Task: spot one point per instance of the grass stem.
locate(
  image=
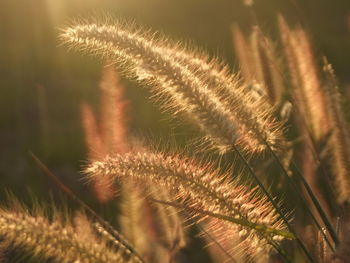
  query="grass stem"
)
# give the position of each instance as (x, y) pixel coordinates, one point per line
(273, 202)
(314, 199)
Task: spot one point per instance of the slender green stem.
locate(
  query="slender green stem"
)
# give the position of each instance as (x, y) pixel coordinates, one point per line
(242, 222)
(313, 198)
(176, 205)
(273, 202)
(285, 257)
(233, 220)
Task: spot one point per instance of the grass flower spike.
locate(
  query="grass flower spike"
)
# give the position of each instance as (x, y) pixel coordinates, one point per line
(339, 147)
(275, 127)
(202, 190)
(202, 89)
(54, 239)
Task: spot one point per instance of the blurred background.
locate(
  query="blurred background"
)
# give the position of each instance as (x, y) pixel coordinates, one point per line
(43, 83)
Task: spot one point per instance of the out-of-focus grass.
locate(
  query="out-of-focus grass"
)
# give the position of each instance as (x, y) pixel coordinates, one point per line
(42, 84)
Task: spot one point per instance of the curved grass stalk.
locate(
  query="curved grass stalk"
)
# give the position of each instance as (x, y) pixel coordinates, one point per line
(201, 188)
(217, 223)
(246, 223)
(226, 112)
(314, 199)
(120, 243)
(56, 240)
(274, 204)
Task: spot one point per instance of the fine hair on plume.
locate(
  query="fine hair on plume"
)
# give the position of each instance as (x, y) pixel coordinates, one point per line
(225, 110)
(203, 191)
(61, 237)
(270, 181)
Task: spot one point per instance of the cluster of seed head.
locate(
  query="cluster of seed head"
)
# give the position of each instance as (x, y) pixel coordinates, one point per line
(227, 112)
(52, 239)
(199, 187)
(340, 142)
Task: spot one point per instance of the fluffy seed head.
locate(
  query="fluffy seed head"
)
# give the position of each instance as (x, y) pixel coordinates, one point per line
(55, 240)
(202, 190)
(339, 142)
(227, 112)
